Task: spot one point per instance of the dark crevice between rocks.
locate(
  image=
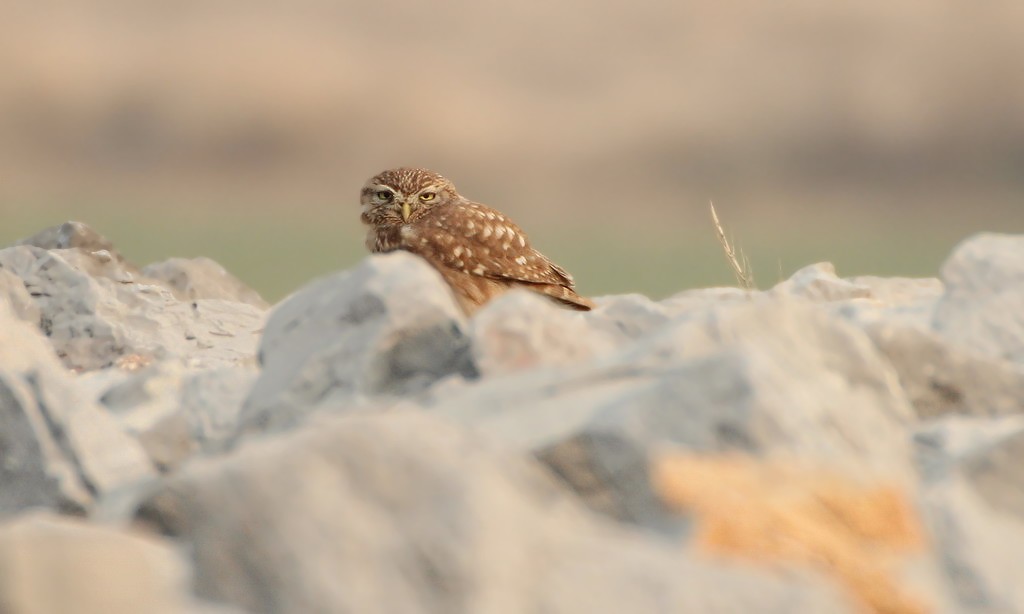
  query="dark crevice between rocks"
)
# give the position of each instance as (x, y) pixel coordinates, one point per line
(20, 452)
(418, 360)
(59, 434)
(610, 473)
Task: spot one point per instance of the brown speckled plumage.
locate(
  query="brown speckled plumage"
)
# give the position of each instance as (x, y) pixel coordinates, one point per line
(479, 252)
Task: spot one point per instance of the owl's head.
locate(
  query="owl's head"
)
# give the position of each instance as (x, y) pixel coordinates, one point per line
(403, 195)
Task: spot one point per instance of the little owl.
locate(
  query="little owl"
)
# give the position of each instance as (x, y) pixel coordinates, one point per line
(479, 252)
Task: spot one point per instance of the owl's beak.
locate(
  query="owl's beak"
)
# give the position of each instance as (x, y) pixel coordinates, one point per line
(406, 211)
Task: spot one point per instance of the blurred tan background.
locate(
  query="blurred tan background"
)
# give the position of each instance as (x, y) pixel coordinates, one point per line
(873, 133)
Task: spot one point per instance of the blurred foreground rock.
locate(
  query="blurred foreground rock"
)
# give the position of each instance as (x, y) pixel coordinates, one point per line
(828, 445)
(50, 564)
(403, 512)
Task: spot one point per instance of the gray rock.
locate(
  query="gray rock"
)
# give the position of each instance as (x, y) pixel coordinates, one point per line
(453, 480)
(941, 379)
(899, 301)
(175, 411)
(996, 472)
(942, 445)
(798, 381)
(581, 423)
(195, 278)
(404, 513)
(63, 294)
(901, 291)
(34, 472)
(95, 314)
(983, 307)
(60, 449)
(972, 504)
(522, 330)
(13, 292)
(389, 326)
(627, 316)
(818, 282)
(611, 473)
(100, 264)
(698, 303)
(50, 565)
(865, 299)
(775, 380)
(74, 235)
(212, 402)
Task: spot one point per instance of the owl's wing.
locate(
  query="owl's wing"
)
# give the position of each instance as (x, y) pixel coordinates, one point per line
(480, 241)
(567, 279)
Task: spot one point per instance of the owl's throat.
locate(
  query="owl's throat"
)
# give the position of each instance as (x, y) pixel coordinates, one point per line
(385, 238)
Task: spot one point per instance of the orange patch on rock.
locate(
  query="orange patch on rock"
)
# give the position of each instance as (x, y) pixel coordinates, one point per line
(784, 513)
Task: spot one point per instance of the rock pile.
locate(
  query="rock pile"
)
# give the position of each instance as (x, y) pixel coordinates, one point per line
(169, 443)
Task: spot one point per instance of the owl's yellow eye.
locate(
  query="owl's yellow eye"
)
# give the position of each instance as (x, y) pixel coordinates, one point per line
(385, 195)
(428, 196)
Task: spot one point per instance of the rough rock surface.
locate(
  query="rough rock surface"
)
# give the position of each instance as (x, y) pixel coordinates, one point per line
(522, 330)
(175, 411)
(58, 449)
(97, 311)
(831, 444)
(196, 278)
(72, 235)
(17, 298)
(728, 382)
(387, 327)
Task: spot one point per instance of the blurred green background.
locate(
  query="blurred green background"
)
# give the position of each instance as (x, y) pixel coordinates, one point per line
(872, 134)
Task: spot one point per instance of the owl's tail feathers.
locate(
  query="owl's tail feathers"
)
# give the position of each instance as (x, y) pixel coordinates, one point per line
(567, 297)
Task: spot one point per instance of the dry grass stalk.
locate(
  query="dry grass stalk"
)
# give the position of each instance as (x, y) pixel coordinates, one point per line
(740, 266)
